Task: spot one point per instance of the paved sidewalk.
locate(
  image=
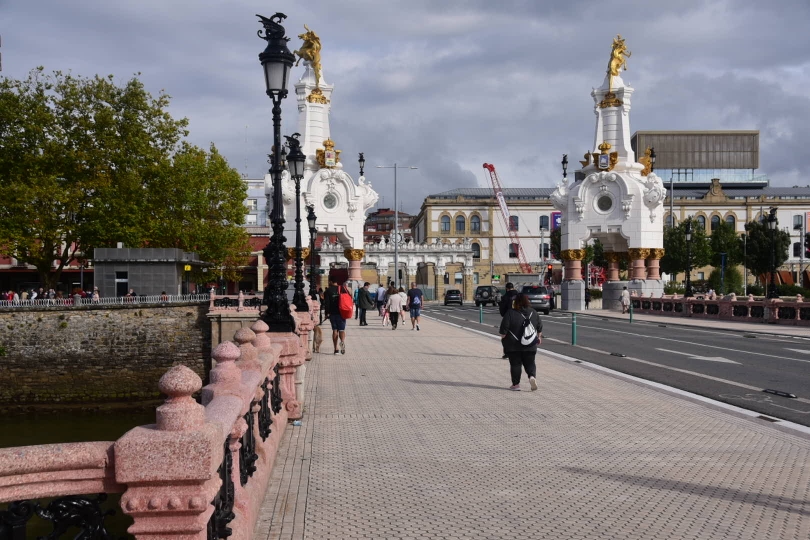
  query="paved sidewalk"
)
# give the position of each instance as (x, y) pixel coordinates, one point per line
(414, 435)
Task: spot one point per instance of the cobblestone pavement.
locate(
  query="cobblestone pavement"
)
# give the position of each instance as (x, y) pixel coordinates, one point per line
(415, 435)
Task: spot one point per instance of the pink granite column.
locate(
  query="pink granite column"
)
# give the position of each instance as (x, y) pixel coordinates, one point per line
(613, 266)
(573, 264)
(355, 257)
(170, 468)
(638, 257)
(653, 263)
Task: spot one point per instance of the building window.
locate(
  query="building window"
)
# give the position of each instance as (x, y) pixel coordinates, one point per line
(252, 205)
(461, 224)
(797, 249)
(797, 222)
(701, 275)
(476, 279)
(459, 278)
(476, 251)
(544, 222)
(250, 219)
(545, 252)
(445, 224)
(514, 223)
(732, 221)
(669, 221)
(513, 251)
(701, 221)
(715, 222)
(475, 224)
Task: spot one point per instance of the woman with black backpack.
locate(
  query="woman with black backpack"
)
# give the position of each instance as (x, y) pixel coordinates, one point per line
(520, 332)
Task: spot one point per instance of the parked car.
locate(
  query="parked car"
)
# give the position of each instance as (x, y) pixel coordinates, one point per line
(486, 294)
(453, 296)
(539, 296)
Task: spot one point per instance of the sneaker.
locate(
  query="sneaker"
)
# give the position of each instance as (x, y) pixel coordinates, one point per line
(342, 348)
(533, 382)
(336, 351)
(417, 327)
(515, 388)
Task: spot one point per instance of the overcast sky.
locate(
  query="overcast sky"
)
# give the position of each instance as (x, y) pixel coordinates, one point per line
(446, 85)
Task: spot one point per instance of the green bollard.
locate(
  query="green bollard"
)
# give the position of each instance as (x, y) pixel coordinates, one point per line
(573, 329)
(481, 313)
(631, 311)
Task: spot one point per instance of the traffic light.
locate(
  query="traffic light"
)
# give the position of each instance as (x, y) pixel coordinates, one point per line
(549, 268)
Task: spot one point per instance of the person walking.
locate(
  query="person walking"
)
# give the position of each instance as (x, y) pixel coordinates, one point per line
(401, 292)
(415, 302)
(356, 305)
(521, 323)
(364, 302)
(587, 297)
(331, 298)
(625, 299)
(505, 305)
(394, 305)
(381, 296)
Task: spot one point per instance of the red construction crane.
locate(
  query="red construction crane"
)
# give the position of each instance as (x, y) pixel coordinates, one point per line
(513, 235)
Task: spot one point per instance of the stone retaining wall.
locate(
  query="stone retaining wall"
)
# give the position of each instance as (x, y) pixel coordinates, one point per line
(97, 354)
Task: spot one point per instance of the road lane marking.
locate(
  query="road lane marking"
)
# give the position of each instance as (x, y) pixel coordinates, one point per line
(803, 351)
(697, 357)
(680, 341)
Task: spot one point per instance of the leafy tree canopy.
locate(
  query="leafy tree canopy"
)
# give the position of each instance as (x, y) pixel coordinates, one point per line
(758, 247)
(674, 260)
(86, 163)
(725, 240)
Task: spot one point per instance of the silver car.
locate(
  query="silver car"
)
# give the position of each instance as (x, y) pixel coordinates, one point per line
(539, 296)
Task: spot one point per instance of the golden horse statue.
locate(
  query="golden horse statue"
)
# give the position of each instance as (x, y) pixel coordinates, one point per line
(311, 52)
(618, 58)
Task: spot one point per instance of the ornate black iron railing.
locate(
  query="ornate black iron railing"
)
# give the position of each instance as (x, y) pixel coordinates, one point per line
(265, 416)
(224, 499)
(247, 453)
(71, 512)
(275, 398)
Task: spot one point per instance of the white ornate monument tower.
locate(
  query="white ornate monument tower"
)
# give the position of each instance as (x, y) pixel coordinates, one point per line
(340, 203)
(619, 201)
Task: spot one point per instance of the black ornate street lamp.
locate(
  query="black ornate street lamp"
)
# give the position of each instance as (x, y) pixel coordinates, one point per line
(276, 59)
(688, 292)
(565, 165)
(772, 223)
(296, 159)
(362, 161)
(311, 220)
(652, 159)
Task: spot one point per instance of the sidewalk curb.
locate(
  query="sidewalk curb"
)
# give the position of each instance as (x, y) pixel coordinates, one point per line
(784, 426)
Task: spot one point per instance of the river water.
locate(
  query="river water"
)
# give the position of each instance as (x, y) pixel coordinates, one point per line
(71, 426)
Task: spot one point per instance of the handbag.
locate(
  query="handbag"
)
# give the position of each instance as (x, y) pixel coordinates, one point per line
(345, 304)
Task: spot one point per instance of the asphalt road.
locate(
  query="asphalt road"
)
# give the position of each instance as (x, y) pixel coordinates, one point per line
(727, 366)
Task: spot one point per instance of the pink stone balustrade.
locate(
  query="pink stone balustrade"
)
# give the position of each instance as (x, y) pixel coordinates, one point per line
(746, 309)
(174, 474)
(232, 302)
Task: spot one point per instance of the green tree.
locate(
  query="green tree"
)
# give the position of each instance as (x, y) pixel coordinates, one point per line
(674, 260)
(197, 204)
(725, 240)
(85, 163)
(758, 249)
(732, 281)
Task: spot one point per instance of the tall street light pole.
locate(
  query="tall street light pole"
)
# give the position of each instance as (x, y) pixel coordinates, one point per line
(688, 292)
(296, 159)
(772, 222)
(396, 219)
(311, 221)
(276, 59)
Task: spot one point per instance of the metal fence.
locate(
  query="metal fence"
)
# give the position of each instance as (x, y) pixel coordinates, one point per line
(77, 301)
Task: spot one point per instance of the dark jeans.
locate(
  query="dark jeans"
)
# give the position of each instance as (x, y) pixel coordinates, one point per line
(363, 316)
(394, 316)
(522, 359)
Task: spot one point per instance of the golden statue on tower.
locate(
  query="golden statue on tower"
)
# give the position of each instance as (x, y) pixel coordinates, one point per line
(311, 52)
(618, 59)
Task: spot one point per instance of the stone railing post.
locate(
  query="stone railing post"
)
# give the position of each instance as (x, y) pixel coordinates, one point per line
(241, 301)
(291, 356)
(170, 469)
